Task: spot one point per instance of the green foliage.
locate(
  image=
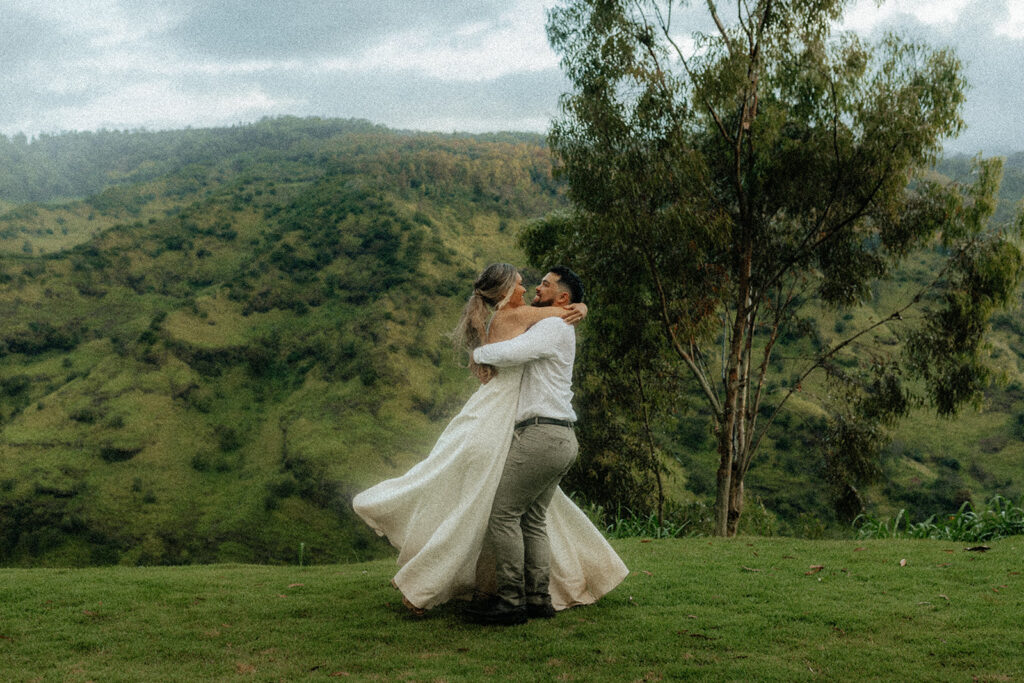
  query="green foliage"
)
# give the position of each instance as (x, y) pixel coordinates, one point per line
(691, 521)
(214, 379)
(88, 163)
(961, 169)
(999, 518)
(292, 299)
(40, 336)
(730, 197)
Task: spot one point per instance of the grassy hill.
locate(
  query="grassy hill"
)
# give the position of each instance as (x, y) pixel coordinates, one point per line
(205, 366)
(703, 609)
(211, 339)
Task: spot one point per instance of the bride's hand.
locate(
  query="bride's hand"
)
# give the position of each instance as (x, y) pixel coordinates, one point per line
(574, 313)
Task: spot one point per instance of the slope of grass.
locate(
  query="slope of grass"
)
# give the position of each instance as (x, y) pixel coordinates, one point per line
(740, 609)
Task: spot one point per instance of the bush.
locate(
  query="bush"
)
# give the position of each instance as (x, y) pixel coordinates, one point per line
(1018, 427)
(227, 438)
(85, 415)
(205, 461)
(694, 519)
(116, 454)
(999, 519)
(15, 386)
(40, 337)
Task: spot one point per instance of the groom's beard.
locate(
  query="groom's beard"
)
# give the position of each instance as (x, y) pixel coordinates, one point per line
(537, 303)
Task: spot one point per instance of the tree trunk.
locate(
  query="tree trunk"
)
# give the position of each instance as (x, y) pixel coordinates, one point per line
(735, 500)
(724, 479)
(728, 425)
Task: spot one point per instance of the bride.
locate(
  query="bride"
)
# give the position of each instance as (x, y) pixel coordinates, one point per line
(436, 513)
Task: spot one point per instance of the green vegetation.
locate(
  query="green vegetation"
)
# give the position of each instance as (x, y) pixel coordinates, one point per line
(208, 368)
(707, 609)
(1001, 518)
(782, 171)
(243, 343)
(102, 164)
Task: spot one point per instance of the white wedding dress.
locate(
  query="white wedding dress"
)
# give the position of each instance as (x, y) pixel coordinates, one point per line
(436, 513)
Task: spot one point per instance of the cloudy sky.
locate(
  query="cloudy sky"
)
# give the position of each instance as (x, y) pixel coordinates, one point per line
(467, 65)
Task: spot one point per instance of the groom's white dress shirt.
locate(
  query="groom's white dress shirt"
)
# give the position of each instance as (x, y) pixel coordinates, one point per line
(548, 349)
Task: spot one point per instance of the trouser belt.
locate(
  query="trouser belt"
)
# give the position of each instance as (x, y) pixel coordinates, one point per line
(543, 421)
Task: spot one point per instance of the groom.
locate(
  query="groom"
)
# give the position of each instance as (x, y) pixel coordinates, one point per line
(543, 448)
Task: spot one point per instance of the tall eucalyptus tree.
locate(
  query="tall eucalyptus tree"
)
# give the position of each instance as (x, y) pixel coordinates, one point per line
(725, 181)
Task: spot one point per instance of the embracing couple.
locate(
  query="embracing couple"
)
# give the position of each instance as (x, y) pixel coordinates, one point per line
(483, 515)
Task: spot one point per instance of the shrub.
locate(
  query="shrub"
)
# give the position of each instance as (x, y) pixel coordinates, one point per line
(40, 337)
(14, 386)
(999, 519)
(85, 415)
(117, 454)
(228, 438)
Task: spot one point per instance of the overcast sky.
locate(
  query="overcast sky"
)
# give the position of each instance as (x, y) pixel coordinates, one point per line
(444, 65)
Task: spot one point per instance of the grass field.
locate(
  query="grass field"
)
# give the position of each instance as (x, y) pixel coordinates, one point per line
(740, 609)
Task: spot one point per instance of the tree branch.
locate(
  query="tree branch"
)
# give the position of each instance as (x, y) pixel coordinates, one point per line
(819, 362)
(687, 357)
(655, 463)
(806, 246)
(689, 72)
(721, 27)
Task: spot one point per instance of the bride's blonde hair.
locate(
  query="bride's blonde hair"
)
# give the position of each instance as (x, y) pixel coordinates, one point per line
(490, 290)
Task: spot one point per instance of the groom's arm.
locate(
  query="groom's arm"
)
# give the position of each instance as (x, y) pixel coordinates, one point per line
(540, 341)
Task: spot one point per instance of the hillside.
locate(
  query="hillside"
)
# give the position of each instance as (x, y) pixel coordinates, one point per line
(210, 340)
(207, 365)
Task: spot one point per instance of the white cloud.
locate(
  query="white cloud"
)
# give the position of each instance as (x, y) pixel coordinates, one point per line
(866, 15)
(469, 123)
(103, 23)
(470, 65)
(514, 42)
(1014, 26)
(687, 45)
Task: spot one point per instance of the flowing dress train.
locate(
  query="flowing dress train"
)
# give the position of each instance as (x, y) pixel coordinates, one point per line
(436, 513)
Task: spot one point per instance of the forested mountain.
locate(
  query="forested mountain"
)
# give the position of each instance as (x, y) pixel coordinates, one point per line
(210, 339)
(79, 164)
(206, 364)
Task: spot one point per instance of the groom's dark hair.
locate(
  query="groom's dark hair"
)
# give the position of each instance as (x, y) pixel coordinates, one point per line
(569, 281)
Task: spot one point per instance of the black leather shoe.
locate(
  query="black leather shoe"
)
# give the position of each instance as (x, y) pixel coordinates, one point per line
(543, 610)
(495, 612)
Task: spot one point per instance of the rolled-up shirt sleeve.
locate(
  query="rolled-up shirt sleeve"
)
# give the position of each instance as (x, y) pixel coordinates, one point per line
(540, 341)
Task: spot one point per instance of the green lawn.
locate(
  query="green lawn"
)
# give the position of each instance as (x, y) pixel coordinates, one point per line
(742, 609)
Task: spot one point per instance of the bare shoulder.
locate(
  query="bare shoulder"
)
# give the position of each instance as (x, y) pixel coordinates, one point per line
(512, 323)
(505, 325)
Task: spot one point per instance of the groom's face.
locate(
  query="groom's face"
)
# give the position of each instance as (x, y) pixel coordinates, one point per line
(549, 293)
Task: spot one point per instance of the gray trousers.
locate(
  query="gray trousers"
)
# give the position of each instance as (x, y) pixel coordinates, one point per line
(517, 530)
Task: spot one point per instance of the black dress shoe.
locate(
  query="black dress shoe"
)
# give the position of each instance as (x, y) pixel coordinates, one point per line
(543, 610)
(495, 612)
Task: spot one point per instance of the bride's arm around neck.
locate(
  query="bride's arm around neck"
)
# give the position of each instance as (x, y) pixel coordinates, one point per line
(513, 321)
